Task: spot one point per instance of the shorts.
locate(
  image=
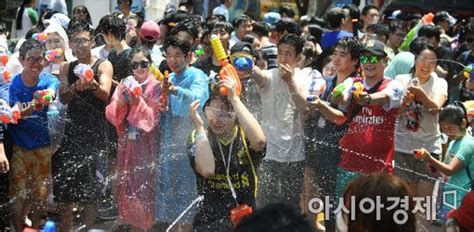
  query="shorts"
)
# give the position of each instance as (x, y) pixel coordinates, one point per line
(30, 173)
(410, 169)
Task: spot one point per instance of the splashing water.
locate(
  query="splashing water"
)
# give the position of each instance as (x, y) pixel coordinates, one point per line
(197, 200)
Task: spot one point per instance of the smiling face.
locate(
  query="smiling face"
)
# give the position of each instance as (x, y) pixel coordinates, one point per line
(221, 119)
(373, 68)
(425, 64)
(452, 130)
(140, 66)
(32, 62)
(176, 59)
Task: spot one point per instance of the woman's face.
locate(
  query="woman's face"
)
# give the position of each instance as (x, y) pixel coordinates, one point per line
(220, 119)
(329, 70)
(425, 64)
(452, 130)
(140, 66)
(54, 41)
(80, 14)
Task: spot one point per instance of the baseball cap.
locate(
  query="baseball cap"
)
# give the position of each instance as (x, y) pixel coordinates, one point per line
(271, 18)
(375, 47)
(242, 47)
(464, 215)
(149, 31)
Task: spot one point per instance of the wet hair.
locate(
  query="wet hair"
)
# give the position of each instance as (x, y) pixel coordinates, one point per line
(429, 31)
(261, 29)
(32, 31)
(28, 45)
(115, 26)
(381, 185)
(187, 25)
(19, 17)
(367, 8)
(83, 9)
(394, 26)
(79, 26)
(454, 113)
(335, 16)
(294, 40)
(276, 217)
(240, 20)
(140, 49)
(352, 45)
(286, 10)
(215, 95)
(380, 29)
(173, 41)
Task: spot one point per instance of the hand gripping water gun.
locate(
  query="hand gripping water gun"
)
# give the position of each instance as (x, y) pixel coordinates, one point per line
(357, 89)
(227, 70)
(9, 114)
(164, 92)
(43, 97)
(469, 72)
(132, 85)
(84, 72)
(156, 72)
(411, 96)
(238, 213)
(338, 90)
(52, 55)
(318, 86)
(412, 34)
(41, 37)
(419, 154)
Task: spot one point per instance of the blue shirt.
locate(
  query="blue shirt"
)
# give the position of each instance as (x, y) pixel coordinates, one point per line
(330, 39)
(31, 132)
(192, 85)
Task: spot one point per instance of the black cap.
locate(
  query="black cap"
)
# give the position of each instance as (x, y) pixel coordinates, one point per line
(375, 47)
(242, 47)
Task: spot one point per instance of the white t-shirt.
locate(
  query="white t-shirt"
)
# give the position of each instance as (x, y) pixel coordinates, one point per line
(418, 128)
(282, 123)
(233, 40)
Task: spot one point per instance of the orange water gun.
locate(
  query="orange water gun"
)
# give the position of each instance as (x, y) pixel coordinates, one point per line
(41, 37)
(84, 72)
(133, 86)
(227, 70)
(357, 89)
(43, 97)
(53, 55)
(6, 75)
(238, 213)
(9, 114)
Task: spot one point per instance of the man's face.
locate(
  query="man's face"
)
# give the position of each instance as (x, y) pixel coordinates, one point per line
(244, 29)
(287, 55)
(371, 17)
(396, 39)
(372, 65)
(176, 59)
(33, 62)
(343, 61)
(81, 44)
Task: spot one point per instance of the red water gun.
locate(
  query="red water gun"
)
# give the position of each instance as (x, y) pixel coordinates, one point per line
(227, 70)
(43, 97)
(9, 114)
(84, 72)
(6, 75)
(53, 55)
(133, 86)
(238, 213)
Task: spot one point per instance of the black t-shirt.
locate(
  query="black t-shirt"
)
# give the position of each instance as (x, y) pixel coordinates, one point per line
(218, 200)
(207, 66)
(120, 63)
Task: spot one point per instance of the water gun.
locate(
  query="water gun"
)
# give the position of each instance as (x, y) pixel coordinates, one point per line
(84, 72)
(338, 90)
(41, 37)
(227, 70)
(53, 55)
(318, 86)
(243, 63)
(200, 51)
(132, 85)
(6, 75)
(469, 72)
(411, 96)
(156, 72)
(9, 114)
(357, 89)
(412, 34)
(49, 226)
(43, 97)
(419, 154)
(238, 213)
(164, 92)
(4, 59)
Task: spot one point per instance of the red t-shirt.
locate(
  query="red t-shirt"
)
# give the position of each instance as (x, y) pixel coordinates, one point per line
(368, 145)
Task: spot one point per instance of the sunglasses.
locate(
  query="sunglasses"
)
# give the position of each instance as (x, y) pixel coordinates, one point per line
(141, 64)
(372, 59)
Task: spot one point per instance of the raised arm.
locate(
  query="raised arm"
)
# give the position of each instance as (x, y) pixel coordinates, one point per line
(204, 163)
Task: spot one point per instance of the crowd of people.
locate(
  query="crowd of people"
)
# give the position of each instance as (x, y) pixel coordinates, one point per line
(251, 118)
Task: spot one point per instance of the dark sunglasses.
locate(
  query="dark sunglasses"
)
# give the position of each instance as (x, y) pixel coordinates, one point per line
(141, 64)
(372, 59)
